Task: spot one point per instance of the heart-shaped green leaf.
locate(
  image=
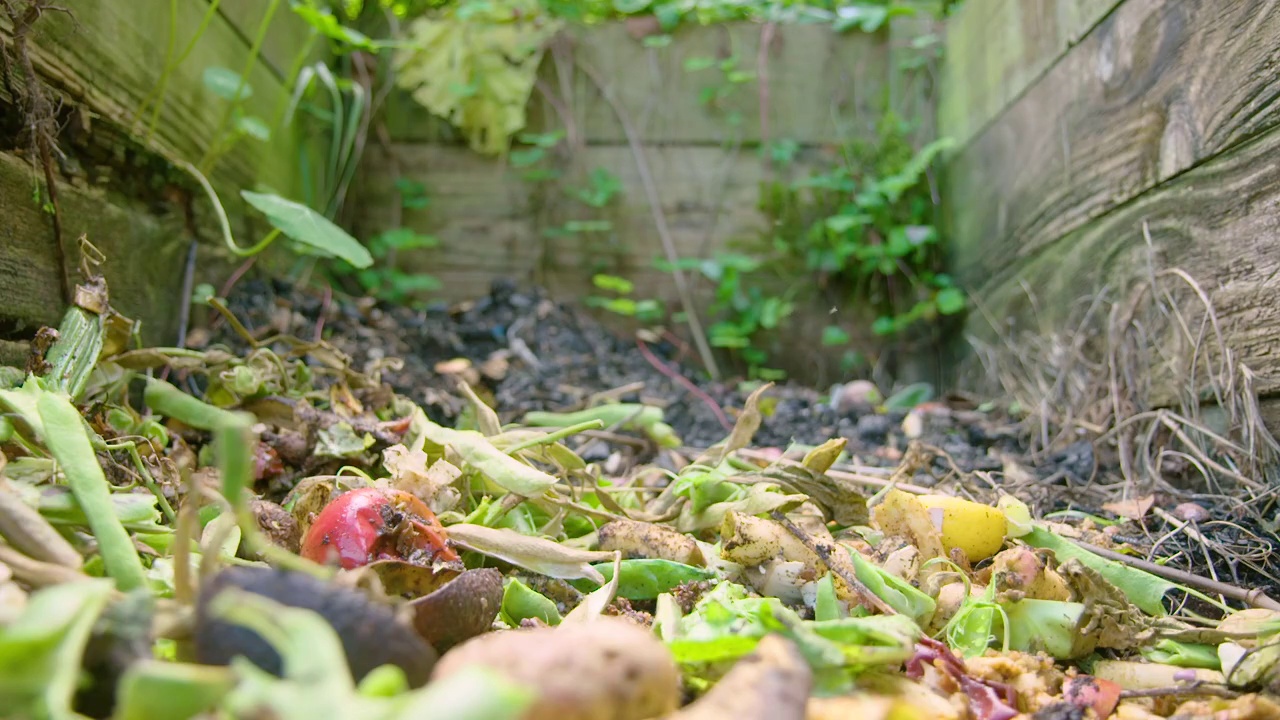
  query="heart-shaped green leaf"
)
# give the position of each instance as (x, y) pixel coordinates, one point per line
(309, 227)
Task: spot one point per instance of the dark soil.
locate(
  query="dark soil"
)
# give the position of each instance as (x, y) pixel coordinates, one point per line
(552, 357)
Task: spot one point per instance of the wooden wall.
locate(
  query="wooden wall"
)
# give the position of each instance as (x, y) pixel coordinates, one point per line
(822, 90)
(1085, 124)
(99, 59)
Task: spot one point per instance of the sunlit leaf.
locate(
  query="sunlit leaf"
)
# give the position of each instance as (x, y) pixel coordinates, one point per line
(309, 227)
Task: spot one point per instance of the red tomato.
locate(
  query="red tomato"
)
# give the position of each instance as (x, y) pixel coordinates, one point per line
(372, 523)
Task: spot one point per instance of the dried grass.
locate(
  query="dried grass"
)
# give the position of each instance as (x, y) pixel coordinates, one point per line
(1152, 378)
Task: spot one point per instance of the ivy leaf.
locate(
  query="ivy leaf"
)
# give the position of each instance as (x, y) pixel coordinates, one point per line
(950, 301)
(309, 227)
(225, 82)
(834, 335)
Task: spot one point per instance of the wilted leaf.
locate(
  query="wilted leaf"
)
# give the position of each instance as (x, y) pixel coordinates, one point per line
(340, 440)
(595, 603)
(820, 459)
(502, 469)
(1141, 588)
(535, 554)
(409, 472)
(1133, 508)
(743, 430)
(759, 499)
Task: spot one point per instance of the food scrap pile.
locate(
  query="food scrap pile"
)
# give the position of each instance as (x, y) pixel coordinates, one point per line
(269, 529)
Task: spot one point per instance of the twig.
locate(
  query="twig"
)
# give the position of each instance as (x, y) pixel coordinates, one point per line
(659, 219)
(188, 282)
(40, 119)
(824, 551)
(1255, 597)
(684, 382)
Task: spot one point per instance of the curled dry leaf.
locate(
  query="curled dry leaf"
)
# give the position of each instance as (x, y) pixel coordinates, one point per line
(432, 485)
(636, 539)
(903, 515)
(772, 683)
(1132, 509)
(607, 668)
(743, 430)
(476, 451)
(536, 554)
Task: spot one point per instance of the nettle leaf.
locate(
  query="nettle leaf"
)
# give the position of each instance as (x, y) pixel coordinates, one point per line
(309, 227)
(225, 83)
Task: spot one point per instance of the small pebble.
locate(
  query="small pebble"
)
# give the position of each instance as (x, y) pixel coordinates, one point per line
(874, 428)
(1191, 512)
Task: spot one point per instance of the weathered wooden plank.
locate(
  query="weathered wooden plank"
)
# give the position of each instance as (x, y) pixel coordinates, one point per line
(997, 48)
(109, 55)
(822, 87)
(489, 219)
(1156, 88)
(288, 34)
(1217, 221)
(145, 254)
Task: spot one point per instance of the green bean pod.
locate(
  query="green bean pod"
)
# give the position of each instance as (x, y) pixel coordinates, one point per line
(68, 440)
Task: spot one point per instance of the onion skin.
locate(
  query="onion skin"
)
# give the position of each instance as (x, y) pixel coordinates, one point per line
(369, 524)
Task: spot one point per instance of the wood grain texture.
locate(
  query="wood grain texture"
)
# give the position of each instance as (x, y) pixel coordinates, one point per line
(145, 254)
(107, 56)
(996, 49)
(822, 87)
(1219, 222)
(493, 225)
(1158, 87)
(489, 219)
(287, 35)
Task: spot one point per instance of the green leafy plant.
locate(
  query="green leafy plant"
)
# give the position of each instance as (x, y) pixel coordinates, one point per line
(620, 302)
(865, 228)
(743, 309)
(384, 279)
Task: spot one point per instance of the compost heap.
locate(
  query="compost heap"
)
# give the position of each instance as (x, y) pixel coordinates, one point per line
(258, 527)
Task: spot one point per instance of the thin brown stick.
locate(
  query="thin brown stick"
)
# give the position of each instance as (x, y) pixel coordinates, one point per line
(824, 551)
(659, 219)
(1255, 597)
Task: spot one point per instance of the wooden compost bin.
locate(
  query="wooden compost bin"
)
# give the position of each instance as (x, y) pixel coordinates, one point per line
(1087, 127)
(822, 89)
(98, 60)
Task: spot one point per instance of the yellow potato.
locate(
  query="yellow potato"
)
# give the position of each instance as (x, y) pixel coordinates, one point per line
(975, 528)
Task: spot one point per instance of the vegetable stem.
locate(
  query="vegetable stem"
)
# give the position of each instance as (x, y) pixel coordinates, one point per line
(555, 436)
(68, 440)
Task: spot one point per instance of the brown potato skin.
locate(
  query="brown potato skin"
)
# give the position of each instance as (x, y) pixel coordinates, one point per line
(605, 668)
